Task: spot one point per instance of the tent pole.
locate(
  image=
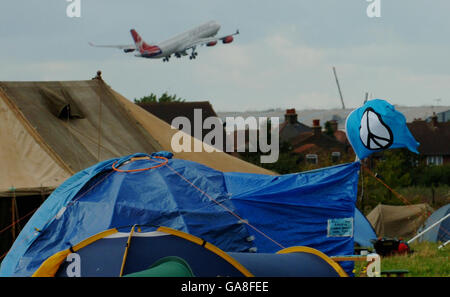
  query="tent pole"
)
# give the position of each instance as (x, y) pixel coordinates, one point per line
(444, 244)
(42, 195)
(13, 215)
(125, 254)
(428, 229)
(99, 126)
(16, 215)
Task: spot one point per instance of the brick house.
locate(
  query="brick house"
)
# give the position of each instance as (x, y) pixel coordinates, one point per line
(316, 144)
(434, 139)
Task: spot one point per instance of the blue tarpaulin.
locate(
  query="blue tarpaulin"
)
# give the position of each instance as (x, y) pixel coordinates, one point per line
(295, 209)
(281, 211)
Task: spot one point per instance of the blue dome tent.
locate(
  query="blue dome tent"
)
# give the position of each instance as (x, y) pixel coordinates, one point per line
(146, 251)
(364, 231)
(440, 232)
(237, 212)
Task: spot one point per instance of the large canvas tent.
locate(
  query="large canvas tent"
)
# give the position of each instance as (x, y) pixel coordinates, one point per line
(398, 221)
(51, 130)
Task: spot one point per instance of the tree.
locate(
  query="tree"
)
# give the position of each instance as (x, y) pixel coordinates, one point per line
(395, 168)
(163, 98)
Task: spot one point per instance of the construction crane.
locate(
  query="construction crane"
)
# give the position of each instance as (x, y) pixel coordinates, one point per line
(339, 88)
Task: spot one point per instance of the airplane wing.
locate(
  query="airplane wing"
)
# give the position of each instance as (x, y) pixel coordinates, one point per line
(211, 41)
(126, 48)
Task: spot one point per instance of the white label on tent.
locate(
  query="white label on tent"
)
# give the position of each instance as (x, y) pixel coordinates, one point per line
(340, 227)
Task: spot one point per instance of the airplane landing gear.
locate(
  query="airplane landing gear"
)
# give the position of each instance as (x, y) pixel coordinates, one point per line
(166, 59)
(193, 55)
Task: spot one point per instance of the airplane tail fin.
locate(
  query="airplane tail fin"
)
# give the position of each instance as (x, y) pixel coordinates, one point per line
(142, 46)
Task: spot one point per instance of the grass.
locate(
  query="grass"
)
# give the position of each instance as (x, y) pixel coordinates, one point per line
(426, 260)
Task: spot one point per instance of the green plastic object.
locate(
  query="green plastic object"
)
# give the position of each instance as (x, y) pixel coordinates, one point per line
(166, 267)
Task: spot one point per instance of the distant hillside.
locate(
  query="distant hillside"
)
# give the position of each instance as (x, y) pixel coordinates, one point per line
(306, 116)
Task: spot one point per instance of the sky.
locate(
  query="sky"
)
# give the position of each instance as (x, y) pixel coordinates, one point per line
(282, 58)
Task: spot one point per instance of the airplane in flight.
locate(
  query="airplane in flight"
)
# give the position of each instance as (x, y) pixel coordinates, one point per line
(178, 45)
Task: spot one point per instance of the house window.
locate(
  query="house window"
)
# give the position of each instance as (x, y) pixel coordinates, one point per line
(335, 156)
(435, 160)
(312, 159)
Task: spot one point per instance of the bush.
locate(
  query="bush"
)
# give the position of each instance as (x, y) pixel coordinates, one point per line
(431, 175)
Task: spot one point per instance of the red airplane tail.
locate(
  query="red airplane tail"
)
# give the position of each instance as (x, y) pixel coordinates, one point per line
(142, 46)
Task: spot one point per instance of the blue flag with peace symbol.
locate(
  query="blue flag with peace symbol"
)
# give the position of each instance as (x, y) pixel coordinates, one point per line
(377, 126)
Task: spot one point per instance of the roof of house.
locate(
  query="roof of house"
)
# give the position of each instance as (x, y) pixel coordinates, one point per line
(305, 148)
(167, 111)
(320, 140)
(341, 136)
(434, 137)
(289, 131)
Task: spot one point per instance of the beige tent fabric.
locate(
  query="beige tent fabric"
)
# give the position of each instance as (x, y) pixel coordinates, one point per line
(103, 132)
(398, 221)
(50, 130)
(26, 166)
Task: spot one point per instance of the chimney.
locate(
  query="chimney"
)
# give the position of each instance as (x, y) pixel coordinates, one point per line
(316, 127)
(290, 116)
(434, 120)
(334, 125)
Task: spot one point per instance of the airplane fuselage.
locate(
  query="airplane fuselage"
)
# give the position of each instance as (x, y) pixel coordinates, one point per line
(177, 43)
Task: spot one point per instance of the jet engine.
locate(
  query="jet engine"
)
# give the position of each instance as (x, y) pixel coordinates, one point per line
(211, 43)
(228, 39)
